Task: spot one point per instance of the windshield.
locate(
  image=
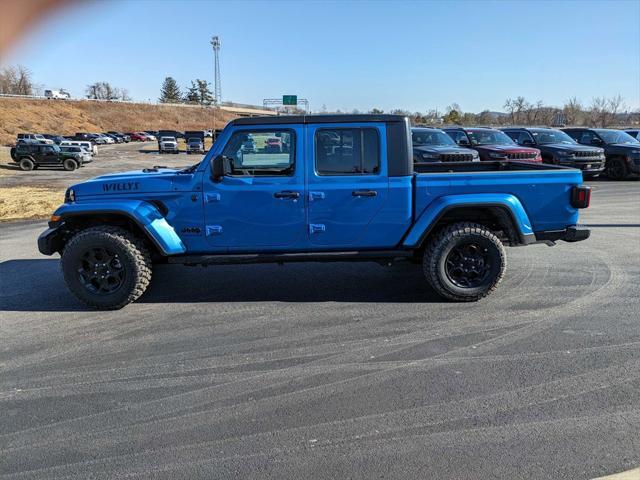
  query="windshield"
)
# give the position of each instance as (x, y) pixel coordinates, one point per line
(168, 139)
(194, 140)
(489, 137)
(616, 136)
(431, 137)
(545, 136)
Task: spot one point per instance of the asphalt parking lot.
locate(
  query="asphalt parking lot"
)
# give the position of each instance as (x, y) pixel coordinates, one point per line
(329, 370)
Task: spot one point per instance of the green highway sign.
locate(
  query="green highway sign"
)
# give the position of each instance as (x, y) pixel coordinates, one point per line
(290, 100)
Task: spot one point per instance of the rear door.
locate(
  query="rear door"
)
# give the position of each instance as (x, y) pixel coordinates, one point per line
(347, 184)
(260, 204)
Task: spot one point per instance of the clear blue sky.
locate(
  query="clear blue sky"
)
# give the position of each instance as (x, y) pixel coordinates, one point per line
(412, 55)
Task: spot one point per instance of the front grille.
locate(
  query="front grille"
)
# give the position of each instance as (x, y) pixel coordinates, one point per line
(521, 156)
(456, 157)
(587, 154)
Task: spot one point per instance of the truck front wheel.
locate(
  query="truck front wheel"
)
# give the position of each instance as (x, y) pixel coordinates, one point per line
(464, 262)
(106, 267)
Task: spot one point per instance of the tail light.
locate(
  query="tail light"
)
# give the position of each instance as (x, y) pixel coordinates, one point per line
(581, 196)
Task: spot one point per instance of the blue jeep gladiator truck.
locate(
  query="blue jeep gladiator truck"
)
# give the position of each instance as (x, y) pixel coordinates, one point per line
(311, 188)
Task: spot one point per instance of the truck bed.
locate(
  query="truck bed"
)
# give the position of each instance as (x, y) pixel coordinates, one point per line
(540, 188)
(497, 166)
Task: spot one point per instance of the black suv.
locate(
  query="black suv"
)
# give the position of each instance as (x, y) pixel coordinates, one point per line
(33, 155)
(558, 148)
(434, 145)
(620, 148)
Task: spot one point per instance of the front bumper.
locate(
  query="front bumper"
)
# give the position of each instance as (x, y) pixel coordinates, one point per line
(51, 241)
(573, 233)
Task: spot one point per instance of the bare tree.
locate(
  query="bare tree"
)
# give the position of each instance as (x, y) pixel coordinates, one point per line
(573, 111)
(604, 110)
(16, 81)
(515, 107)
(106, 91)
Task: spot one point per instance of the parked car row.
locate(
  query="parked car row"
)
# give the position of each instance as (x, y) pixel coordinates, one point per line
(592, 150)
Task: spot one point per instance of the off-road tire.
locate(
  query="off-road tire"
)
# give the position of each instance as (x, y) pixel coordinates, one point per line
(434, 264)
(617, 169)
(69, 164)
(26, 164)
(132, 254)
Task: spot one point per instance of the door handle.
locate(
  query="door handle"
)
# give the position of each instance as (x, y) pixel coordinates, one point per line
(364, 193)
(287, 194)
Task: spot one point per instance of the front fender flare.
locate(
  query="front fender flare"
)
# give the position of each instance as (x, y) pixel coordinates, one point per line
(144, 214)
(429, 217)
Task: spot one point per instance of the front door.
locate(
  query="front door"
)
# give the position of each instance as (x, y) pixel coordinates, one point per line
(49, 156)
(347, 184)
(260, 204)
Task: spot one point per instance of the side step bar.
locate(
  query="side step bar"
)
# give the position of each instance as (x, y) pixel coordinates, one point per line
(383, 256)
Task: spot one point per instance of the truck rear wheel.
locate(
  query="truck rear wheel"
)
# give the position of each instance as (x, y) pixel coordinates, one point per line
(464, 262)
(26, 164)
(106, 267)
(69, 164)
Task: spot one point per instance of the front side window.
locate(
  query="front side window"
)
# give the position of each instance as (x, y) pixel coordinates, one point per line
(261, 152)
(347, 151)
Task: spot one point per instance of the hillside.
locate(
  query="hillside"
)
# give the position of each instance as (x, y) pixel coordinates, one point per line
(68, 117)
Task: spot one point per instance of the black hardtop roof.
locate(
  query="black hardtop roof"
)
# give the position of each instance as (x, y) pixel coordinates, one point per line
(286, 119)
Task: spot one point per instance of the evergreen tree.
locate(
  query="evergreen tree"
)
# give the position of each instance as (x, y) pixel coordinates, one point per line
(204, 92)
(170, 92)
(192, 95)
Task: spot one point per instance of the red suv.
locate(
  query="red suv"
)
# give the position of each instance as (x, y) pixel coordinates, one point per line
(137, 137)
(492, 144)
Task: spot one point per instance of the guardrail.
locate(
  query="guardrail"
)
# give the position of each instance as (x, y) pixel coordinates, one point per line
(188, 105)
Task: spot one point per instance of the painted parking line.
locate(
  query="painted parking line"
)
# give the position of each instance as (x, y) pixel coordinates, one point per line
(628, 475)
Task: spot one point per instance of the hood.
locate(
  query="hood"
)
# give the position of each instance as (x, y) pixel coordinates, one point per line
(566, 147)
(443, 149)
(506, 148)
(133, 182)
(623, 147)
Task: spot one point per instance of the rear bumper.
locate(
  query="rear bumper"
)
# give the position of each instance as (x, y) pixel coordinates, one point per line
(573, 233)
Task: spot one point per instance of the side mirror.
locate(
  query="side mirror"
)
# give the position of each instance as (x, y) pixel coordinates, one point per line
(596, 141)
(218, 168)
(527, 142)
(463, 142)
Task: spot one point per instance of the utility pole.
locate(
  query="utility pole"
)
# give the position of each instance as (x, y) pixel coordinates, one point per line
(217, 88)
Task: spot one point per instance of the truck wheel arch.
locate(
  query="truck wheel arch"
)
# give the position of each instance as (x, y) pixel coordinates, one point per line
(145, 220)
(496, 217)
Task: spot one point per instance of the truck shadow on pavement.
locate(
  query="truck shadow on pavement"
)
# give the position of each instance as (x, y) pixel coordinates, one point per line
(34, 285)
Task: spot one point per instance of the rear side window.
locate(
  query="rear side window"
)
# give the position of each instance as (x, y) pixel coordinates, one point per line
(347, 151)
(457, 135)
(584, 136)
(261, 152)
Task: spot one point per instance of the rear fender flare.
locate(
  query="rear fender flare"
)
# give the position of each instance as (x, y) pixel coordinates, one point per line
(144, 214)
(438, 208)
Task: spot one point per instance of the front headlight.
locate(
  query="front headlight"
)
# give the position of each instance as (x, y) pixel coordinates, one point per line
(565, 154)
(430, 156)
(498, 155)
